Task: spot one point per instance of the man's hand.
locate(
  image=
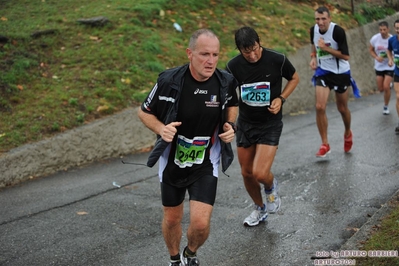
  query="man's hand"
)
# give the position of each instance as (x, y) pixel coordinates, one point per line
(228, 134)
(168, 131)
(313, 63)
(379, 59)
(322, 44)
(275, 107)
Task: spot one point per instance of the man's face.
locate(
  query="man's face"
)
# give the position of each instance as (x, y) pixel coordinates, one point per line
(204, 57)
(252, 54)
(384, 31)
(323, 21)
(396, 28)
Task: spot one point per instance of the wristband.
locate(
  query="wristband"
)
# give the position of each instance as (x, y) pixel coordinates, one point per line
(312, 54)
(282, 99)
(234, 126)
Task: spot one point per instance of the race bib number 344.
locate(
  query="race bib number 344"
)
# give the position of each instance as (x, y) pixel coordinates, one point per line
(190, 151)
(256, 94)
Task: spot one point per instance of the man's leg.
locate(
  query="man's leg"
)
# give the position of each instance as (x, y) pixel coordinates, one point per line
(256, 162)
(246, 158)
(198, 230)
(172, 229)
(262, 171)
(387, 89)
(322, 94)
(262, 165)
(342, 106)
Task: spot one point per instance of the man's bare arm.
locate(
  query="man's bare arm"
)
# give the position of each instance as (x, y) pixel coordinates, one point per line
(167, 132)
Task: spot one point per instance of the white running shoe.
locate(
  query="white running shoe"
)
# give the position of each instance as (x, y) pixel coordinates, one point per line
(175, 263)
(385, 111)
(273, 200)
(258, 215)
(188, 261)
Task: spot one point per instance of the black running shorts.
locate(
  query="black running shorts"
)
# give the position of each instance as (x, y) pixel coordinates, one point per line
(336, 82)
(249, 134)
(384, 73)
(203, 190)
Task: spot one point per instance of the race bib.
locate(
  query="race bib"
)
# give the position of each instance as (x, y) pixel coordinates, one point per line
(256, 94)
(190, 151)
(323, 54)
(396, 60)
(383, 54)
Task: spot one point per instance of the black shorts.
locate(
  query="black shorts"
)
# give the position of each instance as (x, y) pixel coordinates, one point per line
(249, 134)
(336, 82)
(384, 73)
(203, 190)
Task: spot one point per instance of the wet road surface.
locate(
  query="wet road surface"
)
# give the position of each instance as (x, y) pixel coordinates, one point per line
(109, 213)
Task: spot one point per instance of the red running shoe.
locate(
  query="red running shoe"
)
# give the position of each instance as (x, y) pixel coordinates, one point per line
(348, 142)
(323, 151)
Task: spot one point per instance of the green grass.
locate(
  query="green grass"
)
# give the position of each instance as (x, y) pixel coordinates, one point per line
(384, 237)
(79, 73)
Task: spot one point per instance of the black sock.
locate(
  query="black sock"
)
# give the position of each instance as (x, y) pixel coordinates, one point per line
(188, 252)
(175, 257)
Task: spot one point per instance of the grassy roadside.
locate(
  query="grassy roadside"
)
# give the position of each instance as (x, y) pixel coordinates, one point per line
(77, 73)
(384, 237)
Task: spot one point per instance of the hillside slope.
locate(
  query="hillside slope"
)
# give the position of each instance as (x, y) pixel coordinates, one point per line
(57, 73)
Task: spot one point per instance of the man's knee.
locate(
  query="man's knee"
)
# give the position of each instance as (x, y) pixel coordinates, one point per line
(320, 107)
(200, 224)
(172, 218)
(343, 109)
(246, 173)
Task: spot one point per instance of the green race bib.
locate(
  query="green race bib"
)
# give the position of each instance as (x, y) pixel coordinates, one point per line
(190, 151)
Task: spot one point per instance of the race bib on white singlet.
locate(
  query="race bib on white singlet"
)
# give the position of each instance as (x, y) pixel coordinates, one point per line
(190, 151)
(256, 94)
(323, 54)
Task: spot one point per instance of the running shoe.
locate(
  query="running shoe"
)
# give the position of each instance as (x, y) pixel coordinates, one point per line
(348, 142)
(188, 261)
(323, 151)
(385, 111)
(175, 263)
(258, 215)
(397, 130)
(273, 200)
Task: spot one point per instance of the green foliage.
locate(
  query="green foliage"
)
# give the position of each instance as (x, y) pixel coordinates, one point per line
(369, 13)
(148, 9)
(139, 97)
(154, 66)
(73, 101)
(54, 82)
(80, 117)
(55, 127)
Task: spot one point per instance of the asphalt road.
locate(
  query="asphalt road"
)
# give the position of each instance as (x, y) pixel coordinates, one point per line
(109, 213)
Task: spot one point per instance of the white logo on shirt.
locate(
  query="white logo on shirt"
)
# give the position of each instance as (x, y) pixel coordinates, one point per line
(198, 91)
